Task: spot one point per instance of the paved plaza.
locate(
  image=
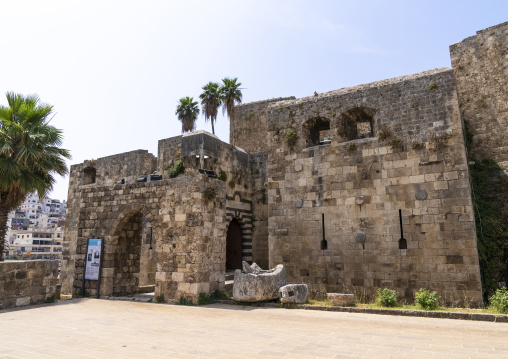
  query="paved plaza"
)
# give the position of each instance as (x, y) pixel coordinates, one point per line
(90, 328)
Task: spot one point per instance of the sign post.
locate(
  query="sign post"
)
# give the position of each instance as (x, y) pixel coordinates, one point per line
(93, 263)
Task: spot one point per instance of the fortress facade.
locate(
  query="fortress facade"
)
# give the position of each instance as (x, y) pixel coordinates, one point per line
(352, 190)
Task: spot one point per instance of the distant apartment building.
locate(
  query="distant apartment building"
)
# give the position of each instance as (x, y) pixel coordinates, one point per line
(37, 243)
(36, 229)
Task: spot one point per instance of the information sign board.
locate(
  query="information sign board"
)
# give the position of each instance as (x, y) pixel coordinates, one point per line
(93, 259)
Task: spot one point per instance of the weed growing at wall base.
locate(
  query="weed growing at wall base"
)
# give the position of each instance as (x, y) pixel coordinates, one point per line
(427, 300)
(50, 299)
(185, 301)
(499, 301)
(387, 297)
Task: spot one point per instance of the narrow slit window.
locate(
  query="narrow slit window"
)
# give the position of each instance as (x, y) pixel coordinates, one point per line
(402, 240)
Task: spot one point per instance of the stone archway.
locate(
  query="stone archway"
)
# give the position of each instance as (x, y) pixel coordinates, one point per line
(234, 248)
(127, 254)
(357, 122)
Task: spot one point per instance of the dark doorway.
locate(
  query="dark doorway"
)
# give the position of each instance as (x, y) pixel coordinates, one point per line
(127, 253)
(234, 246)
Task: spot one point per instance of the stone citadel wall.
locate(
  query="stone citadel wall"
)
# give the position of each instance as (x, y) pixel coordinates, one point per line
(360, 184)
(184, 226)
(250, 125)
(480, 64)
(351, 163)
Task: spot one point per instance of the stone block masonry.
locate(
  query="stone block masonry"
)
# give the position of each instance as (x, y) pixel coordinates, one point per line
(480, 65)
(359, 185)
(27, 282)
(187, 236)
(352, 190)
(250, 125)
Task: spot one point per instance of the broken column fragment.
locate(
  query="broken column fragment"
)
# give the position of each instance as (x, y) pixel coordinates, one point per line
(293, 293)
(254, 284)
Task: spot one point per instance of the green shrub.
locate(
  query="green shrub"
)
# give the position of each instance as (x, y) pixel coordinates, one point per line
(417, 146)
(50, 299)
(499, 301)
(385, 133)
(387, 297)
(491, 204)
(160, 298)
(433, 85)
(440, 141)
(427, 300)
(210, 299)
(291, 137)
(176, 169)
(209, 194)
(232, 184)
(185, 301)
(223, 176)
(351, 147)
(395, 143)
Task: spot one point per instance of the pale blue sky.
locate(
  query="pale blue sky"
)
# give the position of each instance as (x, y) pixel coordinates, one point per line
(114, 70)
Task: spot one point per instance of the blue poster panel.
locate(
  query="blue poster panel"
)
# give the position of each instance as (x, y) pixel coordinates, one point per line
(93, 259)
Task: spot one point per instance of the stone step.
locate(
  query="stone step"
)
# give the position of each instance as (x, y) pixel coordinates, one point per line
(230, 275)
(147, 288)
(228, 287)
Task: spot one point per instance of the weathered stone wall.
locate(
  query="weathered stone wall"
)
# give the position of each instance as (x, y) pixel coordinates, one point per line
(167, 153)
(201, 149)
(259, 186)
(111, 169)
(27, 282)
(249, 125)
(480, 64)
(188, 236)
(361, 184)
(106, 171)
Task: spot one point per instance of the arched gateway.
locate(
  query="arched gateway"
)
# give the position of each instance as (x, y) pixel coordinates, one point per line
(234, 248)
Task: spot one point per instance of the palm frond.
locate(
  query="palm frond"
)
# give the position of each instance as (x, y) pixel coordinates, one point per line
(30, 152)
(187, 112)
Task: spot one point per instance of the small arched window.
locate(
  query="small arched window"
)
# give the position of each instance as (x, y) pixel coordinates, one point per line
(316, 131)
(89, 174)
(356, 123)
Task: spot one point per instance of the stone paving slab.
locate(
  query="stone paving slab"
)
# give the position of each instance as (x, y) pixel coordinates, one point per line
(90, 328)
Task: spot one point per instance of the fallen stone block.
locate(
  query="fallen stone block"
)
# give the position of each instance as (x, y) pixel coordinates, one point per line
(293, 293)
(254, 284)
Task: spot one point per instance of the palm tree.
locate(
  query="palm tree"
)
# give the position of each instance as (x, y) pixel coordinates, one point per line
(187, 112)
(231, 94)
(30, 153)
(210, 102)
